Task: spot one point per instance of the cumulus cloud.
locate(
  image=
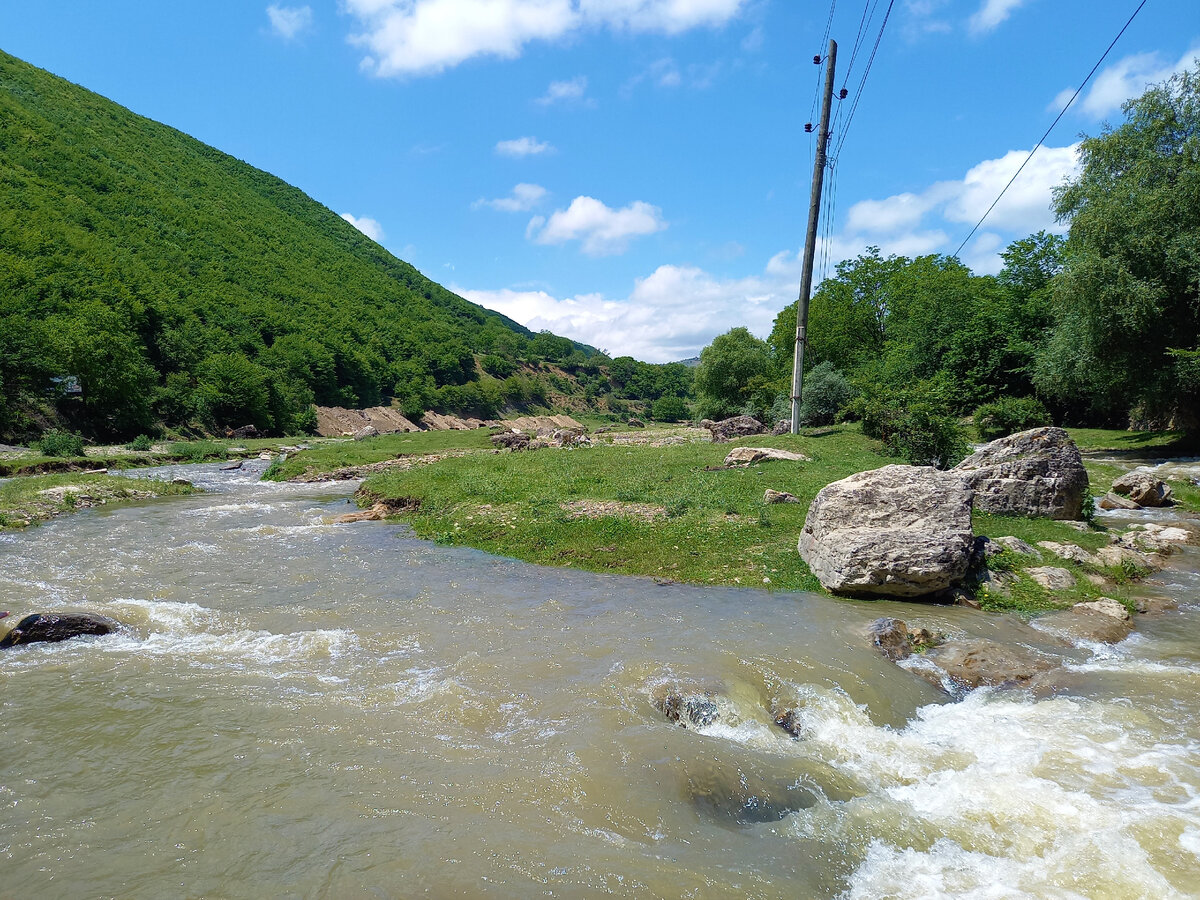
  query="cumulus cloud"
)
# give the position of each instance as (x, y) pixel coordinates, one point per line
(523, 146)
(677, 309)
(407, 37)
(991, 14)
(565, 91)
(669, 315)
(1125, 79)
(289, 21)
(370, 227)
(524, 197)
(602, 230)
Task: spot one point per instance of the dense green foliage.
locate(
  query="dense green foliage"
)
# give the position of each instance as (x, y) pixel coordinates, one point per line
(825, 393)
(60, 443)
(1102, 327)
(733, 372)
(669, 409)
(1009, 415)
(184, 288)
(1128, 301)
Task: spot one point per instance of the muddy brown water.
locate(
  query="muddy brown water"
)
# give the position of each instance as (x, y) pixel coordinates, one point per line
(306, 710)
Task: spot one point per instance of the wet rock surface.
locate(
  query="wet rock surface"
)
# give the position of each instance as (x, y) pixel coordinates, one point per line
(1144, 489)
(899, 531)
(55, 627)
(687, 706)
(1032, 473)
(1085, 622)
(979, 662)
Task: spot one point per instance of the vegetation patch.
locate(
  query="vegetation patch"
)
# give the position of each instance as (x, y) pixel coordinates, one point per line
(37, 498)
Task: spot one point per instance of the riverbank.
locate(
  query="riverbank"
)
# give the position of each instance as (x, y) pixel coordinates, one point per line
(24, 462)
(665, 504)
(38, 498)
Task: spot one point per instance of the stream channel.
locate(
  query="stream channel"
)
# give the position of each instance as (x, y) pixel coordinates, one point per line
(309, 710)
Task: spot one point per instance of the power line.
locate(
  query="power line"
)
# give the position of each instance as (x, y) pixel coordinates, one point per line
(863, 81)
(863, 21)
(1051, 128)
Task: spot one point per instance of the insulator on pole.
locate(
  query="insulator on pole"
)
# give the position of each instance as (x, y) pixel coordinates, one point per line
(843, 94)
(817, 60)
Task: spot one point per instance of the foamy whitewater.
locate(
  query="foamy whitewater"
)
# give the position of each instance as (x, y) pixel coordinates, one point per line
(308, 710)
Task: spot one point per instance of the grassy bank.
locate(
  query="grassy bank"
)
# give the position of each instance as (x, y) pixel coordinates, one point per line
(341, 454)
(669, 512)
(37, 498)
(163, 454)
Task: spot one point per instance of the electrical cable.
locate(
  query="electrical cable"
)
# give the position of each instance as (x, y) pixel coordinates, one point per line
(1051, 128)
(863, 81)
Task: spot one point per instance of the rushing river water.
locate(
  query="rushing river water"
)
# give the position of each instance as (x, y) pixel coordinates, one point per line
(309, 710)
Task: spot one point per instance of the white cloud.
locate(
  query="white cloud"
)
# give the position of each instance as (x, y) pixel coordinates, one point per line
(1126, 79)
(602, 230)
(289, 21)
(669, 315)
(524, 197)
(523, 146)
(991, 14)
(565, 91)
(405, 37)
(370, 227)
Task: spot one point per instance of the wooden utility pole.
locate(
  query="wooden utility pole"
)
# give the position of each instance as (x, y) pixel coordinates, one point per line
(810, 242)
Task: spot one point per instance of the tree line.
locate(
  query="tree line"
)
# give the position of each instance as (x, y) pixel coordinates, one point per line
(1100, 327)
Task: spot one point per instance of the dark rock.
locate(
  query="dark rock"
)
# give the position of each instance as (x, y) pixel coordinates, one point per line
(246, 431)
(1031, 473)
(783, 426)
(694, 708)
(733, 428)
(898, 531)
(1155, 606)
(891, 637)
(232, 467)
(747, 791)
(54, 627)
(511, 440)
(636, 423)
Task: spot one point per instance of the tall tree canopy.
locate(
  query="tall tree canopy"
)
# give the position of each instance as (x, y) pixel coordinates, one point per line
(1127, 304)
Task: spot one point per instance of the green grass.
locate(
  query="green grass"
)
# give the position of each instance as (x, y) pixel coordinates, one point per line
(1151, 443)
(340, 454)
(23, 503)
(716, 529)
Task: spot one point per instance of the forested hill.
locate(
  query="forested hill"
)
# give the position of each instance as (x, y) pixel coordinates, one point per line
(179, 285)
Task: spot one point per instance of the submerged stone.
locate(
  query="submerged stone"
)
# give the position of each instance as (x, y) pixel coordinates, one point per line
(55, 627)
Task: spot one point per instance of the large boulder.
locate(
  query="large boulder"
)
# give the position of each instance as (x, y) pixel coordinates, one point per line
(733, 428)
(1143, 489)
(899, 531)
(1031, 473)
(745, 456)
(54, 627)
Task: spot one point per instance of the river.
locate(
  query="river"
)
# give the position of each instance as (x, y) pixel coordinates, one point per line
(308, 710)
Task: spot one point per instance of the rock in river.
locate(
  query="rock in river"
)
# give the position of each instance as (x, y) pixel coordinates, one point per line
(899, 531)
(53, 627)
(975, 663)
(1143, 489)
(1031, 473)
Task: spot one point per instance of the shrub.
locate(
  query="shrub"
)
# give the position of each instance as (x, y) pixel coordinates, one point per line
(1009, 415)
(913, 423)
(198, 451)
(61, 443)
(498, 366)
(141, 442)
(669, 409)
(305, 421)
(825, 392)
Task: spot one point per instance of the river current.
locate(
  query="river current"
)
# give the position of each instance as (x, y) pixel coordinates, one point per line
(302, 709)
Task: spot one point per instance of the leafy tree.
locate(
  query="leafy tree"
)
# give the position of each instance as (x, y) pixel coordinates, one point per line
(826, 391)
(729, 367)
(669, 409)
(1127, 304)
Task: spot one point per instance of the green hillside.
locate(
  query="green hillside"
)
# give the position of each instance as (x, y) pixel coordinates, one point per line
(183, 288)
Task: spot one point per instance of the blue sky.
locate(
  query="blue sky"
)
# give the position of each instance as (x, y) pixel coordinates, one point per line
(630, 173)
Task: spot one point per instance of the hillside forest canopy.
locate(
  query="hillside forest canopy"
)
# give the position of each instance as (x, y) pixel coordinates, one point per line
(1100, 327)
(151, 283)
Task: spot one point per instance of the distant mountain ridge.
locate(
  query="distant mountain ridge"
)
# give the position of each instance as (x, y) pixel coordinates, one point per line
(183, 287)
